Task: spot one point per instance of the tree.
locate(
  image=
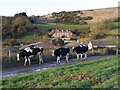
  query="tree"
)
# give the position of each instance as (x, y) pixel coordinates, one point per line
(10, 42)
(105, 25)
(117, 19)
(16, 26)
(76, 32)
(21, 24)
(58, 42)
(6, 27)
(45, 39)
(70, 17)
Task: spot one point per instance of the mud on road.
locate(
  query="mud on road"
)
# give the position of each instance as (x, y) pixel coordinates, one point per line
(37, 67)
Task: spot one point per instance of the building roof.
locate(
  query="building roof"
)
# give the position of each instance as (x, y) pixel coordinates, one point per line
(96, 44)
(39, 44)
(60, 33)
(104, 43)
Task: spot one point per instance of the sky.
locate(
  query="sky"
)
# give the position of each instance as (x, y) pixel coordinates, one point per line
(43, 7)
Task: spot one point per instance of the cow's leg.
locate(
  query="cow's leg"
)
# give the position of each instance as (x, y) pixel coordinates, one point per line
(58, 59)
(25, 61)
(40, 59)
(29, 61)
(85, 56)
(67, 57)
(77, 56)
(81, 56)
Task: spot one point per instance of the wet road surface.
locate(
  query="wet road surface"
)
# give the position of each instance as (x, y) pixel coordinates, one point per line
(37, 67)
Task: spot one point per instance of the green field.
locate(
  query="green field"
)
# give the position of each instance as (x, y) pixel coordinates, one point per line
(35, 36)
(59, 26)
(100, 73)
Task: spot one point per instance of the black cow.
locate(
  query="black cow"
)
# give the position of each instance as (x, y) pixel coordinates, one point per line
(61, 52)
(82, 50)
(30, 52)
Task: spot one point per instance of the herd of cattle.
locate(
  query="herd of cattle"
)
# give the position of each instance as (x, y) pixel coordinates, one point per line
(31, 51)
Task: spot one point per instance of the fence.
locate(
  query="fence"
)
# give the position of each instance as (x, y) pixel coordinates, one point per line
(9, 58)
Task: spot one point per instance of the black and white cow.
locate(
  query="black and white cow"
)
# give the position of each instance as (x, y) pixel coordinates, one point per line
(61, 52)
(82, 50)
(28, 52)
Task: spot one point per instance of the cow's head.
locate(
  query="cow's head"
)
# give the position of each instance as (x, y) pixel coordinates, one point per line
(53, 53)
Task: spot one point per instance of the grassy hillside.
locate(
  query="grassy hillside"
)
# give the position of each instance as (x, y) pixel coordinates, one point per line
(39, 30)
(101, 73)
(35, 35)
(59, 26)
(99, 15)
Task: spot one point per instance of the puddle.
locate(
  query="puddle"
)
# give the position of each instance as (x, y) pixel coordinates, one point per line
(45, 68)
(7, 75)
(37, 70)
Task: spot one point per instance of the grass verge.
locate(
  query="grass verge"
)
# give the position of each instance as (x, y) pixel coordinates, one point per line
(100, 73)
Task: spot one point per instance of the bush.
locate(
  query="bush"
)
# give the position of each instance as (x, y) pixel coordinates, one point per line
(106, 25)
(99, 36)
(45, 39)
(10, 42)
(82, 22)
(117, 19)
(87, 18)
(111, 51)
(35, 27)
(58, 41)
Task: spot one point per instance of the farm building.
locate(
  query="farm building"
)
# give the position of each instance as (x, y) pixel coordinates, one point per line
(109, 44)
(61, 33)
(96, 44)
(12, 51)
(102, 46)
(40, 44)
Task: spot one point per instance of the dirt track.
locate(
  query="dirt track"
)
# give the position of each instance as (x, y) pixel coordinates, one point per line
(38, 67)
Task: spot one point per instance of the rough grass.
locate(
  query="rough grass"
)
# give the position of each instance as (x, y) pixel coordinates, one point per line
(102, 14)
(59, 26)
(100, 73)
(44, 29)
(34, 35)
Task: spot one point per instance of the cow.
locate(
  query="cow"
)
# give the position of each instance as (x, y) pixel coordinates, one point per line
(29, 52)
(61, 52)
(82, 50)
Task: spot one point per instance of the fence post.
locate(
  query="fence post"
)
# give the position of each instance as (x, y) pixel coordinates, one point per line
(9, 53)
(117, 51)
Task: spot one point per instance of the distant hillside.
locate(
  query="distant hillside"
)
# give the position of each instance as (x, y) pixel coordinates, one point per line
(102, 14)
(98, 15)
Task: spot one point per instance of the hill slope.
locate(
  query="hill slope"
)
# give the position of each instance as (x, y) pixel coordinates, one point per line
(98, 15)
(102, 14)
(101, 73)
